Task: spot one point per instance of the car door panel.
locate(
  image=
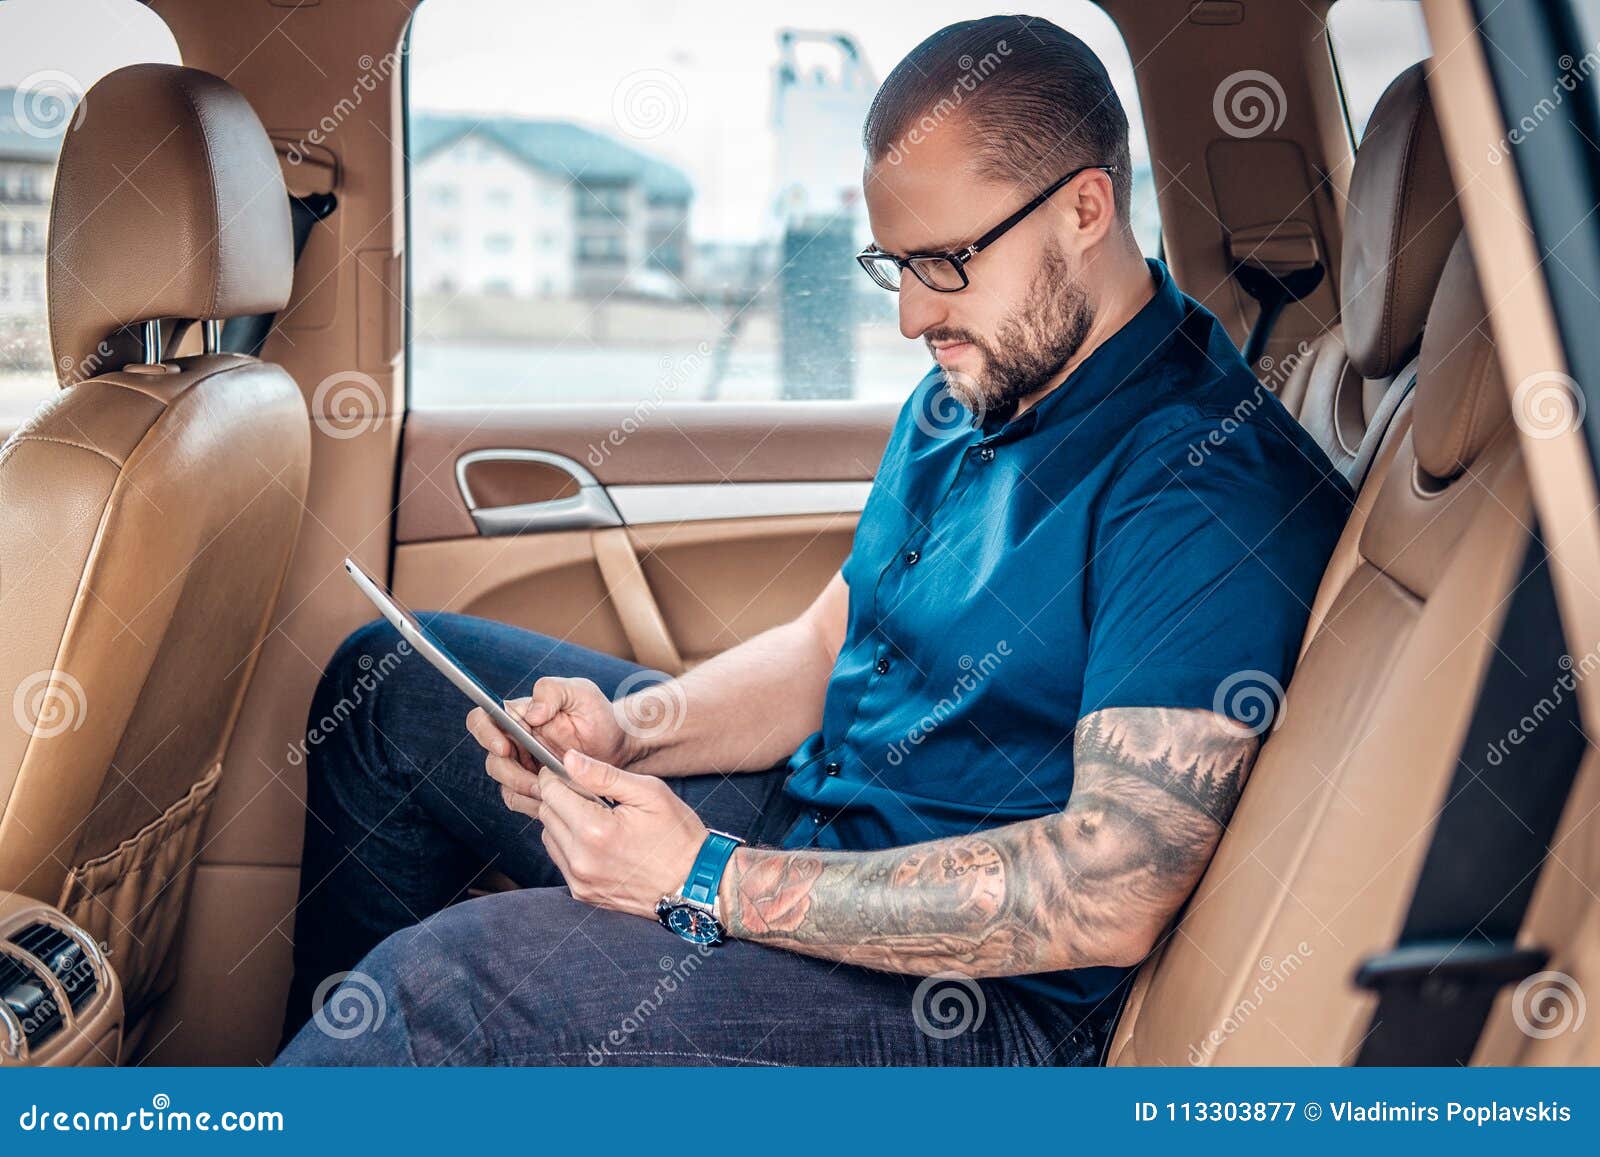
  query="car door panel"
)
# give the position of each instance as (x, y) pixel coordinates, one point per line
(664, 537)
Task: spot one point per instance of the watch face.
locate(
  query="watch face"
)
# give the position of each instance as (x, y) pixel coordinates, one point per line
(694, 924)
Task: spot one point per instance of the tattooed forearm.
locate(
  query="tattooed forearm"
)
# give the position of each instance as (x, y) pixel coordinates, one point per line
(1093, 885)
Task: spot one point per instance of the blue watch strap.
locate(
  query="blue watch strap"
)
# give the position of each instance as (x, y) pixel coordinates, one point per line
(706, 874)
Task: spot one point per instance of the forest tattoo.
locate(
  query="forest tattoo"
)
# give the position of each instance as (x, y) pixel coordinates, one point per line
(1093, 885)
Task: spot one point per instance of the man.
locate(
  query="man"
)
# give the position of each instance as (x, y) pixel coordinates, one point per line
(1007, 735)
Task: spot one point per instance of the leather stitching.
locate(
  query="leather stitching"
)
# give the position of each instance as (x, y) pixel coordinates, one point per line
(1397, 233)
(216, 208)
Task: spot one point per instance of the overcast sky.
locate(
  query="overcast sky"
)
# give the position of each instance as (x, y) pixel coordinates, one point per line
(709, 64)
(715, 73)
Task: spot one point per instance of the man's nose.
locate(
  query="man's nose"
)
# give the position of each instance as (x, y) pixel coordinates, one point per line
(920, 307)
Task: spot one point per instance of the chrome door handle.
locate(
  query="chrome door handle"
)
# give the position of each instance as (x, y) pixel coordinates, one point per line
(590, 508)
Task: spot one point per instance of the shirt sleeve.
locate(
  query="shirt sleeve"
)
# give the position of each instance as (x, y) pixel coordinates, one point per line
(1207, 558)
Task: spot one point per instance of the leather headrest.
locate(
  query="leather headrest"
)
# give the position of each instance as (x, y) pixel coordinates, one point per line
(1460, 400)
(169, 203)
(1401, 221)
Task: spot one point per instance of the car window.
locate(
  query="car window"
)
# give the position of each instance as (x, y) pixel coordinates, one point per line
(54, 50)
(1373, 41)
(673, 219)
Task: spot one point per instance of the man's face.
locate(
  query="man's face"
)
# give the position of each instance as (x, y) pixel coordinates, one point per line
(1026, 310)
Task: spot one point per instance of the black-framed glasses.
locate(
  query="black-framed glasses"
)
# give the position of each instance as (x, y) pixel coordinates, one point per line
(947, 272)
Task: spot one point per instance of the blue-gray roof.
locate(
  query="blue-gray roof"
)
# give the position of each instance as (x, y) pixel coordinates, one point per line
(564, 149)
(17, 142)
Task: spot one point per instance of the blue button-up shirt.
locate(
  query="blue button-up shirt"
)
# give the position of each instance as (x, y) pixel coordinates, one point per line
(1149, 530)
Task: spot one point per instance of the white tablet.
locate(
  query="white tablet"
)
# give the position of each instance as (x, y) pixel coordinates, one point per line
(450, 667)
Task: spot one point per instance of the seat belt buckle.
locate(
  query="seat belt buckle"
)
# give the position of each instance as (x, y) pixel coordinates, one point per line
(1443, 971)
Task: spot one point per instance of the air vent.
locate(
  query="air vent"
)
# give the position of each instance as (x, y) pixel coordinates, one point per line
(63, 955)
(27, 995)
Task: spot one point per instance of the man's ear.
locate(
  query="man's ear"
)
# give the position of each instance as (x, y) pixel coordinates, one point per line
(1094, 207)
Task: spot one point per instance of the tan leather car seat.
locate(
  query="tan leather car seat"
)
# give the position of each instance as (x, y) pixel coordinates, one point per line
(1400, 221)
(147, 512)
(1316, 870)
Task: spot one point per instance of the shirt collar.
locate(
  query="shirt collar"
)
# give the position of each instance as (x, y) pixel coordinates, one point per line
(1122, 357)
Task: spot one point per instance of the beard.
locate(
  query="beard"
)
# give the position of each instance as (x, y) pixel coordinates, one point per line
(1029, 347)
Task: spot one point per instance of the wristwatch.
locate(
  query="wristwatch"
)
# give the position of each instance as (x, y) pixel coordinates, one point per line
(692, 913)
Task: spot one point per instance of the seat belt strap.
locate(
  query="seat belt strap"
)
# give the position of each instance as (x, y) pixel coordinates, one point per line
(1272, 292)
(1458, 946)
(247, 335)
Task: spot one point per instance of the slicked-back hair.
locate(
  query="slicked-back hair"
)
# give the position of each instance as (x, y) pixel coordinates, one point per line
(1032, 101)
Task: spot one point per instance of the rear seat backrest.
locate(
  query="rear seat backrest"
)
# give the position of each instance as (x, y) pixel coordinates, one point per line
(1400, 222)
(1316, 870)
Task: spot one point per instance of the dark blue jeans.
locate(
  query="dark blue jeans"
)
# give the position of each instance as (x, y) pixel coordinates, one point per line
(402, 819)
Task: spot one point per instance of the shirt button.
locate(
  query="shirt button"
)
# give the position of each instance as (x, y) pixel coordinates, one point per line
(883, 666)
(832, 768)
(986, 454)
(816, 818)
(912, 556)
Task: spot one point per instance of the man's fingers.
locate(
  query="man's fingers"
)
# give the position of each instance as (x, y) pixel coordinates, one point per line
(550, 697)
(489, 737)
(513, 775)
(610, 782)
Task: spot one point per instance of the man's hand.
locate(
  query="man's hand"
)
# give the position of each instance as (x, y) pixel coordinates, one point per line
(624, 858)
(568, 715)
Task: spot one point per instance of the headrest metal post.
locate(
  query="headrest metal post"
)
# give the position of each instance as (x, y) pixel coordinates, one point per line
(152, 343)
(212, 329)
